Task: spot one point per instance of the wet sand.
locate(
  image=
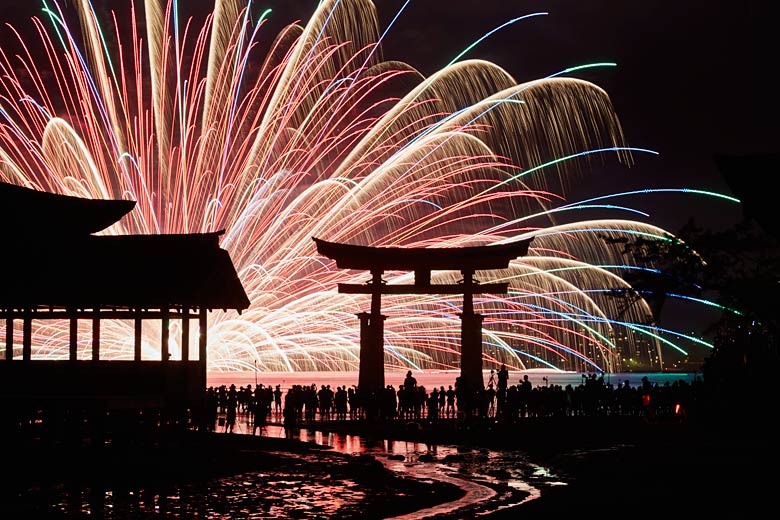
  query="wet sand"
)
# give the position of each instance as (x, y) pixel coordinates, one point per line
(679, 470)
(607, 465)
(44, 471)
(641, 468)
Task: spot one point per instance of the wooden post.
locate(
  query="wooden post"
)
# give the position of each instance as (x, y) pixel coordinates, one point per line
(27, 336)
(74, 336)
(185, 334)
(96, 335)
(371, 377)
(9, 337)
(164, 347)
(202, 336)
(202, 345)
(470, 336)
(138, 330)
(468, 292)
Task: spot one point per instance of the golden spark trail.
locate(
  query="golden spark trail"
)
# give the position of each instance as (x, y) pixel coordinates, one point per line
(210, 123)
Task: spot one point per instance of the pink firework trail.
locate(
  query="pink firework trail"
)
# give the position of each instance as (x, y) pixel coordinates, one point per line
(210, 124)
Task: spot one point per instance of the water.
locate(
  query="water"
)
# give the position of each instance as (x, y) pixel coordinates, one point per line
(311, 485)
(314, 485)
(429, 379)
(491, 479)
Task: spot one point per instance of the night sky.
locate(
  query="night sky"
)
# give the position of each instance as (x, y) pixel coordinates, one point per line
(692, 78)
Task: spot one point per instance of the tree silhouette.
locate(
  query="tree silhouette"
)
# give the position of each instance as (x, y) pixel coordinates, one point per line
(677, 268)
(740, 266)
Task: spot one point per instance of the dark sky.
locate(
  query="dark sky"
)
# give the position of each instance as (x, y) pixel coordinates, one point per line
(692, 77)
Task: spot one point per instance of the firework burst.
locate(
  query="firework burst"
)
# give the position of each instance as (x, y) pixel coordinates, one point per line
(210, 124)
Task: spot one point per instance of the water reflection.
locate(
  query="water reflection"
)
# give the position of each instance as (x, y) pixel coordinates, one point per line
(291, 492)
(307, 485)
(491, 479)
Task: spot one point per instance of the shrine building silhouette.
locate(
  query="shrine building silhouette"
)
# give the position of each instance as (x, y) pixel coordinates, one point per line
(56, 267)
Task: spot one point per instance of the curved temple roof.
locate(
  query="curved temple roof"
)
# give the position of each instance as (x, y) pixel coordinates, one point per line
(31, 211)
(51, 259)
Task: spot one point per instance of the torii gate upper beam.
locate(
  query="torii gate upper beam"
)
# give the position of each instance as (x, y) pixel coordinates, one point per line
(478, 288)
(422, 259)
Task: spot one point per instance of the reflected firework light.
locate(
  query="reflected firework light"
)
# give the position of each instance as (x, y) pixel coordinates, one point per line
(319, 135)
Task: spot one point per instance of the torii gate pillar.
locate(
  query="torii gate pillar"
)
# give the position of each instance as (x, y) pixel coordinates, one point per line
(470, 337)
(372, 333)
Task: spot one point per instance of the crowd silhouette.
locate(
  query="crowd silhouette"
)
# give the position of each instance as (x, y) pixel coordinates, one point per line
(248, 409)
(498, 401)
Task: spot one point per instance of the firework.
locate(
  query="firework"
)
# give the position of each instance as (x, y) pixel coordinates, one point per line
(213, 124)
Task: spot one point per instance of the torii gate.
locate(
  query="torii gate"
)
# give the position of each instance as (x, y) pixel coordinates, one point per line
(422, 261)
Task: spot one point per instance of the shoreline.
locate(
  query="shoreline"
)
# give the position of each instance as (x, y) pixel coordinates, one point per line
(609, 463)
(605, 462)
(197, 458)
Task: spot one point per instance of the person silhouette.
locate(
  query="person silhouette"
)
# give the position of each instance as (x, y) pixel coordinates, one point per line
(230, 415)
(503, 378)
(277, 400)
(492, 378)
(410, 383)
(503, 381)
(450, 401)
